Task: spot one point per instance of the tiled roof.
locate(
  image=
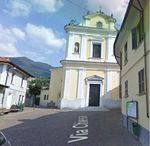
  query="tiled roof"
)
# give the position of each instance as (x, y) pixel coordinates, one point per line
(4, 59)
(8, 61)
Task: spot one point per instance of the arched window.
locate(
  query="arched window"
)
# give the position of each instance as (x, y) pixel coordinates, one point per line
(99, 24)
(76, 48)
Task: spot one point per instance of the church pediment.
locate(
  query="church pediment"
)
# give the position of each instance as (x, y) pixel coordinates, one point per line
(94, 78)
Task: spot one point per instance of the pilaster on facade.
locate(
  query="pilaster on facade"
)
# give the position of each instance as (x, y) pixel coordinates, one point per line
(80, 89)
(66, 83)
(83, 47)
(109, 49)
(69, 46)
(105, 82)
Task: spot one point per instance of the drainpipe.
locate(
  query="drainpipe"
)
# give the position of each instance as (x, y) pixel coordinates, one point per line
(141, 10)
(145, 62)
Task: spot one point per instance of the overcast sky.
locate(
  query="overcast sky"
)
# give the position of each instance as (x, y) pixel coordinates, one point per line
(35, 28)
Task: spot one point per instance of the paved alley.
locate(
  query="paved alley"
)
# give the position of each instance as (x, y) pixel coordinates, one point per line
(47, 127)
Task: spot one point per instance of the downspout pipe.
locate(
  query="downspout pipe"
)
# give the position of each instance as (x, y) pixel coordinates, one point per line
(145, 63)
(141, 10)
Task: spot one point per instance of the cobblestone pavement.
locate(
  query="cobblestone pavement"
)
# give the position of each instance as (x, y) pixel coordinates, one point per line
(49, 127)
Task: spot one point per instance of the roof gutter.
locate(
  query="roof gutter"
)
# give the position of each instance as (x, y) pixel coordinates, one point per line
(122, 26)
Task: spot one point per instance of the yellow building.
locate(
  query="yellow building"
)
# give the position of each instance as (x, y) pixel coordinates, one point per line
(89, 75)
(132, 51)
(44, 97)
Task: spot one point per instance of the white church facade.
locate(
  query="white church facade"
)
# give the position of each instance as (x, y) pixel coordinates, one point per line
(89, 75)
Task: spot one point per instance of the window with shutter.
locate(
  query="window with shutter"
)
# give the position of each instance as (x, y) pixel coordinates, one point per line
(125, 54)
(126, 89)
(137, 35)
(134, 38)
(141, 81)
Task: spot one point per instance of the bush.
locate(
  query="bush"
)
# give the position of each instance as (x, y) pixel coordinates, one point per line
(19, 107)
(51, 104)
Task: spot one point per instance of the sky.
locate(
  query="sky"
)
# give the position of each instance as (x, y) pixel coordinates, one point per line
(35, 28)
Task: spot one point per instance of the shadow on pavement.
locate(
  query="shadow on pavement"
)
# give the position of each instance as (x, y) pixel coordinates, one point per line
(105, 129)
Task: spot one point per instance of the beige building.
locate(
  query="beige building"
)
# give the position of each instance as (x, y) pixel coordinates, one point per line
(132, 51)
(89, 75)
(44, 97)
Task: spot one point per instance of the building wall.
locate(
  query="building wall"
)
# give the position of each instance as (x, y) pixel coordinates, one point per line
(76, 93)
(44, 97)
(101, 40)
(13, 97)
(1, 82)
(56, 85)
(93, 21)
(129, 72)
(86, 40)
(77, 89)
(73, 84)
(15, 94)
(114, 88)
(85, 49)
(132, 78)
(94, 72)
(3, 74)
(77, 67)
(1, 70)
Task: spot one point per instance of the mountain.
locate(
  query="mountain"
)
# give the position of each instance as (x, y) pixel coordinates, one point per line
(37, 69)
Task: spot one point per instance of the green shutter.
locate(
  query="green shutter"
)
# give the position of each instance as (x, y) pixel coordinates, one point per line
(134, 38)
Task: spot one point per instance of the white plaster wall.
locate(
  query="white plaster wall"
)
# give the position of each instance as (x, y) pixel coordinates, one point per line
(15, 89)
(16, 85)
(15, 97)
(3, 74)
(83, 47)
(70, 44)
(109, 49)
(67, 83)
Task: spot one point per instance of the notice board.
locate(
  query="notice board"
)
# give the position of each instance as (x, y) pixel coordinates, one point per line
(132, 109)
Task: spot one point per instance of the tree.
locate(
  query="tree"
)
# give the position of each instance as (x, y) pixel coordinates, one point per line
(36, 85)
